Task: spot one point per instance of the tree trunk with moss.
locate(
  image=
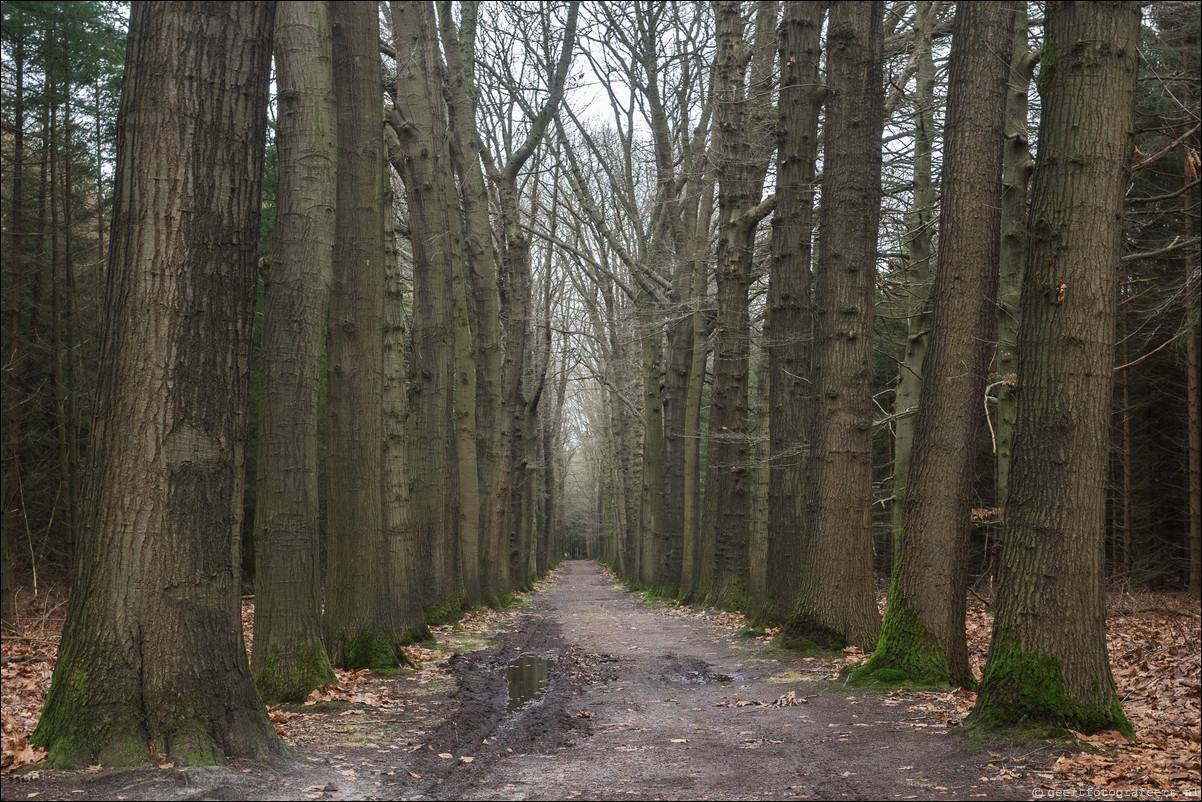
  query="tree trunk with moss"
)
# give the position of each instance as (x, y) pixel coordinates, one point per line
(152, 649)
(289, 658)
(358, 625)
(836, 601)
(1048, 662)
(923, 631)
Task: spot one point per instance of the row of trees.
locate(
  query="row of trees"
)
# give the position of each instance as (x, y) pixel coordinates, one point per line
(1148, 534)
(518, 297)
(789, 458)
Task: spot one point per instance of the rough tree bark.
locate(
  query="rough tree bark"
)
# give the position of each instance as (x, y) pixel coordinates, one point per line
(836, 603)
(485, 301)
(1193, 398)
(360, 631)
(788, 328)
(289, 658)
(152, 646)
(920, 238)
(923, 631)
(419, 117)
(1047, 660)
(742, 100)
(1016, 176)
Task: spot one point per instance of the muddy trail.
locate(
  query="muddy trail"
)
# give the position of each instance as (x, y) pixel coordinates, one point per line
(631, 700)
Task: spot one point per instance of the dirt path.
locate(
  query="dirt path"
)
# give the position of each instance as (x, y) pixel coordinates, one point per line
(643, 702)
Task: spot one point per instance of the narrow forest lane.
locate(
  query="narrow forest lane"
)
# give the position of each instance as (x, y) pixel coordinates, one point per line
(644, 701)
(647, 703)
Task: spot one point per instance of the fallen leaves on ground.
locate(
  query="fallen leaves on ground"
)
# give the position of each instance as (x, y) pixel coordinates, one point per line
(26, 665)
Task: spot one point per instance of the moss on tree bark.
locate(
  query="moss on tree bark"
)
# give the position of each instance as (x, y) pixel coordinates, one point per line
(292, 677)
(1022, 688)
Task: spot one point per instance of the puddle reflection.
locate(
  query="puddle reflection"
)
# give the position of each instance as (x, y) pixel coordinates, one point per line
(528, 680)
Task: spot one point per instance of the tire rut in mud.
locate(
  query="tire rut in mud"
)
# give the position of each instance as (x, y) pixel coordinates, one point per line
(480, 726)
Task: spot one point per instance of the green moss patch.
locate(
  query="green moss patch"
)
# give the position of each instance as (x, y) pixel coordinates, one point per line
(371, 649)
(394, 672)
(292, 679)
(804, 647)
(906, 651)
(448, 612)
(191, 744)
(1023, 689)
(77, 731)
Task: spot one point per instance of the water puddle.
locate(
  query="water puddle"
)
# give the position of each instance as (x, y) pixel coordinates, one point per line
(528, 680)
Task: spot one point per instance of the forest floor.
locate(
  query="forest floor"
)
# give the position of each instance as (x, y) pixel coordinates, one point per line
(648, 700)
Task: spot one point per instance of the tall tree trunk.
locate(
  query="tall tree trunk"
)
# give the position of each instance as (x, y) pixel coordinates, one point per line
(690, 570)
(407, 573)
(514, 277)
(425, 167)
(837, 603)
(686, 200)
(289, 657)
(789, 327)
(1016, 176)
(923, 631)
(554, 470)
(467, 438)
(59, 236)
(1194, 454)
(651, 568)
(1120, 505)
(152, 646)
(741, 105)
(920, 237)
(485, 302)
(100, 181)
(358, 626)
(1047, 659)
(757, 544)
(516, 303)
(63, 312)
